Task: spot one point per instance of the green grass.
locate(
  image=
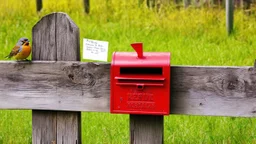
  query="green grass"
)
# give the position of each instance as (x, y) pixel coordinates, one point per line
(193, 36)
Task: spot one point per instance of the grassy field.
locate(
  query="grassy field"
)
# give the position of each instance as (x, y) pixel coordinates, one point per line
(193, 36)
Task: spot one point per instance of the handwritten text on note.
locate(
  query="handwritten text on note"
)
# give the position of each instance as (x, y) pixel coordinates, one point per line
(95, 50)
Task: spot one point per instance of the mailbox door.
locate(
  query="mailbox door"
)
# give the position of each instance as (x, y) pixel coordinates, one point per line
(140, 90)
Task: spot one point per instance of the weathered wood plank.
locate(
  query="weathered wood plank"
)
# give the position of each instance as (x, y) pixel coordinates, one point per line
(78, 86)
(44, 127)
(146, 129)
(44, 39)
(68, 127)
(222, 91)
(56, 37)
(67, 38)
(54, 85)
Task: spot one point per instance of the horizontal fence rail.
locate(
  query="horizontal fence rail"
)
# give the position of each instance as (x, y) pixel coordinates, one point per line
(80, 86)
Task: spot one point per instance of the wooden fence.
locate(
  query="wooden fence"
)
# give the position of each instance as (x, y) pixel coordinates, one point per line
(57, 87)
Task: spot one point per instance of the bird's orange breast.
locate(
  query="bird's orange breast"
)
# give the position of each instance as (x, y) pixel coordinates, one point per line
(24, 53)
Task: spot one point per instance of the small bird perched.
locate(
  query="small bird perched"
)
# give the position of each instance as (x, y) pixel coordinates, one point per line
(21, 50)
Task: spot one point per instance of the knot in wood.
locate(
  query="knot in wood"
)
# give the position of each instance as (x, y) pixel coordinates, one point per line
(231, 86)
(71, 76)
(89, 79)
(79, 75)
(234, 86)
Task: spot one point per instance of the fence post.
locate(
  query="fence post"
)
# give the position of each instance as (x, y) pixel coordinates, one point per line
(187, 3)
(229, 15)
(146, 129)
(39, 5)
(87, 6)
(56, 38)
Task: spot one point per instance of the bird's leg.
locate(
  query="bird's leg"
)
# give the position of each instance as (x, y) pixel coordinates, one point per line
(25, 60)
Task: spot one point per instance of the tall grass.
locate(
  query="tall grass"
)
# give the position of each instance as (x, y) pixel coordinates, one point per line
(193, 36)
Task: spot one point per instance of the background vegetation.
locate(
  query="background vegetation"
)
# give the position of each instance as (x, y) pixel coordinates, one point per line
(194, 36)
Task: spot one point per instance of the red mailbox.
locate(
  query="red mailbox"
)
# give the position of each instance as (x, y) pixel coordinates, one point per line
(140, 82)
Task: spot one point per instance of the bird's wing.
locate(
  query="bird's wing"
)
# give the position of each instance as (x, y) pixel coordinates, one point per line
(14, 51)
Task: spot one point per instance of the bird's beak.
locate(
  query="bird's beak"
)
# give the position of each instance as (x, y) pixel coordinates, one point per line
(25, 41)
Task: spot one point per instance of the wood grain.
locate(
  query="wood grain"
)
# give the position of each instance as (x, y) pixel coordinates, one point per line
(67, 38)
(56, 37)
(223, 91)
(146, 129)
(44, 127)
(78, 86)
(44, 39)
(68, 127)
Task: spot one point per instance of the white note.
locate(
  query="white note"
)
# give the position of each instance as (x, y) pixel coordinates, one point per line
(95, 50)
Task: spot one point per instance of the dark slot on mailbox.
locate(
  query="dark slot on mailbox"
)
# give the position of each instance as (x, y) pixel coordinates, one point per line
(137, 81)
(157, 80)
(141, 70)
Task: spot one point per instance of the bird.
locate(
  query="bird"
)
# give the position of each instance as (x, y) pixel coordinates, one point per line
(21, 50)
